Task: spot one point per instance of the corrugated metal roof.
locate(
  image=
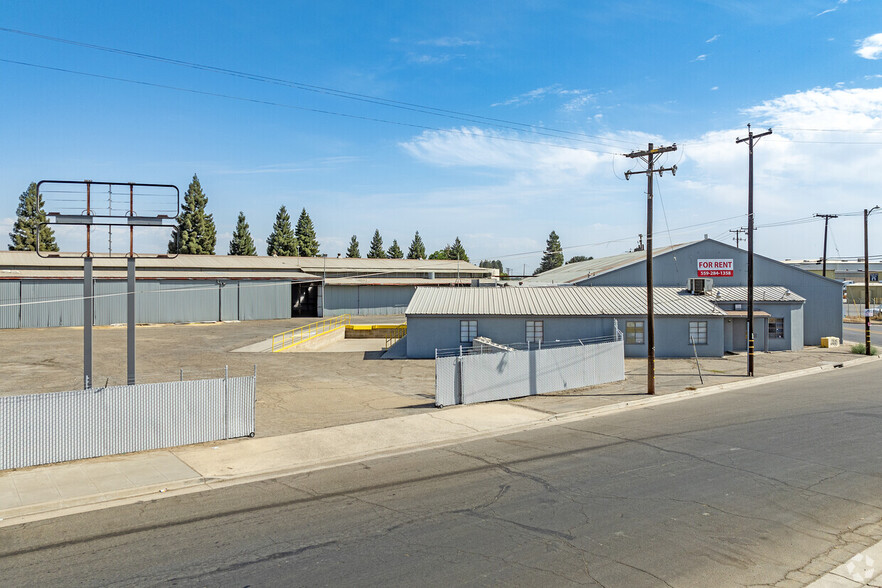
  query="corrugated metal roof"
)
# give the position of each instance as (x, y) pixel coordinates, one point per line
(381, 281)
(760, 294)
(576, 272)
(28, 263)
(560, 301)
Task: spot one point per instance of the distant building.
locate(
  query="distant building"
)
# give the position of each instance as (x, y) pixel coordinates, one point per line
(47, 292)
(674, 266)
(704, 323)
(845, 270)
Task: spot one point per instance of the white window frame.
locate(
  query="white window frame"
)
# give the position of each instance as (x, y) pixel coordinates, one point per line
(535, 331)
(635, 332)
(468, 330)
(698, 332)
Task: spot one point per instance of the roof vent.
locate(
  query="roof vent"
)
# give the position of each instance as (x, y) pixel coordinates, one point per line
(700, 285)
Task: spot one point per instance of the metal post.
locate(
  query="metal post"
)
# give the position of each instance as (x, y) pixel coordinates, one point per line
(87, 322)
(226, 402)
(867, 341)
(130, 324)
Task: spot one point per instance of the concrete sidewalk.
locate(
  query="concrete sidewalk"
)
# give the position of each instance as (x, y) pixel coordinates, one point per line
(55, 490)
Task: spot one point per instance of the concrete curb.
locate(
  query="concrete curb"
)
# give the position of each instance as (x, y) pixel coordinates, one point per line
(52, 509)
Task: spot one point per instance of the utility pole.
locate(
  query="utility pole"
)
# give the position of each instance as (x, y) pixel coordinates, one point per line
(738, 236)
(867, 282)
(650, 156)
(826, 218)
(751, 336)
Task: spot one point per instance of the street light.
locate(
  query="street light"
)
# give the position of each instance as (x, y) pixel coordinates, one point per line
(867, 214)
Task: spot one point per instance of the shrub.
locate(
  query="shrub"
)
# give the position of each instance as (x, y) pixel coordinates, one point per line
(860, 349)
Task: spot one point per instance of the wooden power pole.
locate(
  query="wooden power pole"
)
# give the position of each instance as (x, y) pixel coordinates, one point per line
(650, 156)
(751, 336)
(826, 218)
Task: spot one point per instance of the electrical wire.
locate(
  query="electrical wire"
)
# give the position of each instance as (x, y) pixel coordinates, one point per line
(409, 106)
(304, 108)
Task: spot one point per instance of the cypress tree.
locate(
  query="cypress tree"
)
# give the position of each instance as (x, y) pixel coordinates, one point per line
(353, 248)
(417, 249)
(307, 245)
(553, 256)
(30, 214)
(395, 251)
(242, 243)
(195, 233)
(282, 241)
(377, 251)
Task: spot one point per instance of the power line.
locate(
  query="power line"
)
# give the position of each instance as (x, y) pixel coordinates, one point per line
(303, 108)
(409, 106)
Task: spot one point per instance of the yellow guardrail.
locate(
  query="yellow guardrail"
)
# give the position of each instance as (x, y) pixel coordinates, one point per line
(289, 339)
(399, 332)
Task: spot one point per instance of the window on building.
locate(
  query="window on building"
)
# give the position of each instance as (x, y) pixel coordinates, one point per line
(698, 332)
(776, 328)
(535, 331)
(634, 332)
(468, 330)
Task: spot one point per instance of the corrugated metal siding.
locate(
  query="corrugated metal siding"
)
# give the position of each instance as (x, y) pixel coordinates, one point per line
(110, 302)
(10, 300)
(264, 300)
(367, 300)
(47, 428)
(230, 302)
(557, 301)
(65, 310)
(514, 374)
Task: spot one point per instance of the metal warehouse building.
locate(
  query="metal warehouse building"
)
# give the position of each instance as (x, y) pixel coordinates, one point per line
(727, 266)
(686, 322)
(47, 292)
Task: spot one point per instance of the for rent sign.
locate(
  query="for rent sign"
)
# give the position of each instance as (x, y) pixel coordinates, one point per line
(711, 268)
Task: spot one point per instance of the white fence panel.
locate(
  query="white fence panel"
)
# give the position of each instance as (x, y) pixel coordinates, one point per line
(63, 426)
(513, 374)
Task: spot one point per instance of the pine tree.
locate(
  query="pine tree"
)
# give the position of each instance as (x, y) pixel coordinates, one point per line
(377, 251)
(553, 256)
(353, 248)
(307, 245)
(242, 243)
(578, 258)
(30, 214)
(457, 251)
(195, 233)
(282, 241)
(417, 249)
(395, 251)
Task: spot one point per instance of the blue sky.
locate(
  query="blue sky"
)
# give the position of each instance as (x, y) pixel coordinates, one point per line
(570, 86)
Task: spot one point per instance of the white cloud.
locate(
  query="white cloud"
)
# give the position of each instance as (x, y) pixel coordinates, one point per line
(871, 47)
(581, 96)
(449, 42)
(712, 39)
(714, 88)
(429, 59)
(821, 158)
(700, 58)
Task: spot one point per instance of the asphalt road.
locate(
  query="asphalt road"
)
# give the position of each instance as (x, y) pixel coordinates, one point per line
(856, 332)
(766, 485)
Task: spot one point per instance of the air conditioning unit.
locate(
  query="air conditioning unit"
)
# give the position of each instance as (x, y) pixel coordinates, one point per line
(700, 285)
